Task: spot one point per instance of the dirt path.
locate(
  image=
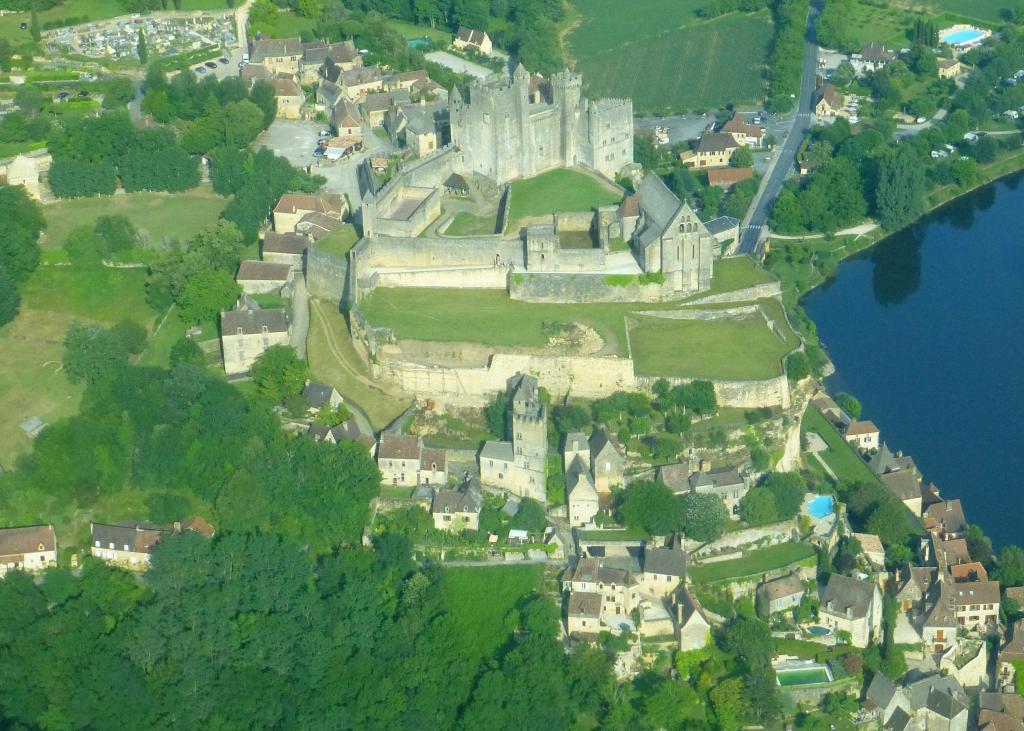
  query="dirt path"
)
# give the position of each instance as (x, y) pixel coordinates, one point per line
(332, 345)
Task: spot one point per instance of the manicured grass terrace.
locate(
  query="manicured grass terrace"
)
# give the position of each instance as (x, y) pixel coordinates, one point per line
(758, 562)
(840, 456)
(556, 191)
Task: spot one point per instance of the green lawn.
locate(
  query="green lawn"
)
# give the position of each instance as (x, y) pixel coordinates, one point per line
(480, 600)
(287, 25)
(339, 242)
(758, 562)
(102, 294)
(986, 11)
(639, 54)
(743, 349)
(158, 215)
(736, 272)
(840, 457)
(558, 190)
(333, 359)
(465, 223)
(410, 31)
(487, 316)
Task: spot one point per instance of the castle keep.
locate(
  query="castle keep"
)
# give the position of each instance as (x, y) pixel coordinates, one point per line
(520, 127)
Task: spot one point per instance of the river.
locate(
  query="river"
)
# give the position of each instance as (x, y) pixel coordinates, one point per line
(927, 330)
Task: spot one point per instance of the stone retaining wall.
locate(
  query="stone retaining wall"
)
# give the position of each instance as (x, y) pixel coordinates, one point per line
(759, 291)
(326, 275)
(736, 394)
(576, 288)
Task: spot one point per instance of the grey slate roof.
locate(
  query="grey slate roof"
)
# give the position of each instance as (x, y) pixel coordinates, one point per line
(881, 691)
(317, 394)
(275, 48)
(783, 586)
(469, 500)
(399, 446)
(253, 322)
(719, 477)
(138, 537)
(949, 514)
(511, 506)
(944, 704)
(578, 477)
(456, 182)
(500, 451)
(575, 442)
(658, 203)
(898, 721)
(668, 561)
(676, 477)
(919, 692)
(845, 593)
(525, 389)
(721, 224)
(902, 484)
(884, 461)
(716, 142)
(603, 446)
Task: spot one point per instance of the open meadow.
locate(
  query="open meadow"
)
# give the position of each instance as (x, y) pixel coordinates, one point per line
(665, 58)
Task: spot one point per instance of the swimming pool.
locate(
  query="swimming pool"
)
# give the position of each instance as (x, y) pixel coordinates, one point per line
(419, 43)
(820, 506)
(961, 36)
(818, 630)
(803, 676)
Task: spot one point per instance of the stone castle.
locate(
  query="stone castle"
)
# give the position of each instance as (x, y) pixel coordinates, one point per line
(519, 127)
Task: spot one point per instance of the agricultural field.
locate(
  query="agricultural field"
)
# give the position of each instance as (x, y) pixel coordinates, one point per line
(555, 191)
(158, 215)
(734, 349)
(722, 59)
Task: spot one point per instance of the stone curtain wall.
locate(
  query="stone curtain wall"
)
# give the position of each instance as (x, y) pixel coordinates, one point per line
(326, 275)
(569, 288)
(430, 171)
(737, 394)
(482, 277)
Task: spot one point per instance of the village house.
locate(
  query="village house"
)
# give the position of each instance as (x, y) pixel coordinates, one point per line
(618, 588)
(968, 571)
(581, 494)
(315, 54)
(518, 466)
(830, 103)
(976, 604)
(905, 486)
(947, 517)
(745, 134)
(1000, 711)
(293, 206)
(713, 149)
(290, 96)
(347, 431)
(862, 435)
(360, 81)
(583, 615)
(403, 461)
(607, 461)
(253, 72)
(457, 509)
(376, 105)
(872, 57)
(127, 545)
(883, 699)
(676, 477)
(261, 277)
(939, 703)
(320, 395)
(693, 627)
(727, 178)
(277, 55)
(884, 460)
(939, 629)
(284, 248)
(469, 39)
(780, 594)
(246, 334)
(23, 170)
(913, 583)
(726, 482)
(347, 122)
(29, 548)
(831, 410)
(663, 568)
(872, 549)
(849, 605)
(415, 126)
(949, 68)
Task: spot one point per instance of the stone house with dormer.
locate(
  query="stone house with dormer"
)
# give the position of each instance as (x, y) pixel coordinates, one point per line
(849, 605)
(862, 435)
(403, 461)
(713, 149)
(829, 102)
(457, 509)
(277, 55)
(245, 334)
(128, 545)
(470, 39)
(726, 482)
(29, 548)
(291, 207)
(781, 594)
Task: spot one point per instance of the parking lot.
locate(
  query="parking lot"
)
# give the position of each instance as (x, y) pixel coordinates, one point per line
(296, 140)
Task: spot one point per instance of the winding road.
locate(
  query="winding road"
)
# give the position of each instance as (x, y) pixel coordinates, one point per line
(755, 226)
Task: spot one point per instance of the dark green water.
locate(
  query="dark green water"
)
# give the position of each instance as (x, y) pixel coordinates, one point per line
(927, 330)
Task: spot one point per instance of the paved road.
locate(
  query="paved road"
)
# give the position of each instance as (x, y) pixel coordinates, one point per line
(756, 225)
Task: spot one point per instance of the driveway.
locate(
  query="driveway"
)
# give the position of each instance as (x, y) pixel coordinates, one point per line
(782, 165)
(295, 140)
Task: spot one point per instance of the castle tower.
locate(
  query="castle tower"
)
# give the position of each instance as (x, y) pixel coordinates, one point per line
(566, 90)
(522, 133)
(529, 421)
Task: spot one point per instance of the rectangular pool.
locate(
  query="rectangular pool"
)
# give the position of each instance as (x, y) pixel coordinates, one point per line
(959, 37)
(803, 676)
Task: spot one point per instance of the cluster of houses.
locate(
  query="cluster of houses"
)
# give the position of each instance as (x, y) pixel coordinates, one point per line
(128, 545)
(356, 98)
(714, 151)
(299, 221)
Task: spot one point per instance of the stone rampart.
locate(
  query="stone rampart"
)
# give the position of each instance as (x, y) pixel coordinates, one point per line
(429, 171)
(586, 377)
(736, 394)
(759, 291)
(725, 313)
(574, 221)
(326, 275)
(425, 252)
(576, 288)
(481, 277)
(766, 535)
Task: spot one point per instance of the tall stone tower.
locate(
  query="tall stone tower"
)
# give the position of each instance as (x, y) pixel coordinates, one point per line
(529, 421)
(566, 90)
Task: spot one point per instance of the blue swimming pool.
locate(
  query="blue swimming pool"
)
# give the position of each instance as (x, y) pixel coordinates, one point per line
(962, 37)
(419, 43)
(820, 506)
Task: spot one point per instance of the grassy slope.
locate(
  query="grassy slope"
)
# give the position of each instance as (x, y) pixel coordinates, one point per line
(410, 31)
(558, 190)
(765, 559)
(481, 598)
(724, 57)
(465, 223)
(840, 457)
(736, 272)
(339, 242)
(158, 214)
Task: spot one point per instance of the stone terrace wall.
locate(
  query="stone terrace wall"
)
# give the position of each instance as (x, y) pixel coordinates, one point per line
(586, 377)
(769, 289)
(581, 288)
(431, 170)
(409, 253)
(485, 277)
(737, 394)
(326, 275)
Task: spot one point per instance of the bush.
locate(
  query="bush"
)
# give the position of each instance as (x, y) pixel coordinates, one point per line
(132, 336)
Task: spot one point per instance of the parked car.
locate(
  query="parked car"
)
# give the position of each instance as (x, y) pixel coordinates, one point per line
(62, 96)
(24, 26)
(325, 133)
(210, 65)
(223, 60)
(83, 93)
(200, 70)
(318, 152)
